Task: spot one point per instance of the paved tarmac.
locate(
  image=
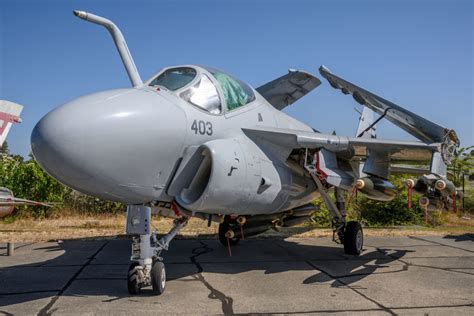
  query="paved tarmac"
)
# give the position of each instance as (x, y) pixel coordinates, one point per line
(394, 275)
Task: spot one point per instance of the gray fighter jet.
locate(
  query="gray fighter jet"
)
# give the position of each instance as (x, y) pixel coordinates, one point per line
(196, 141)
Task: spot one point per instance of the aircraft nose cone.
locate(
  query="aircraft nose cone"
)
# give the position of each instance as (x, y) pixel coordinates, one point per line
(117, 145)
(57, 145)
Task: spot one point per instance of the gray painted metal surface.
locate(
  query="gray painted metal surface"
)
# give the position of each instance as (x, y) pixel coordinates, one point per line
(204, 139)
(414, 124)
(287, 89)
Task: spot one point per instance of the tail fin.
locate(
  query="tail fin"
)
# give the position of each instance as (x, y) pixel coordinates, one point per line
(9, 114)
(366, 128)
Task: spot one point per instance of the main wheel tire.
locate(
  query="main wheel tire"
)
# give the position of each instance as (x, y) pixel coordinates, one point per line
(353, 238)
(158, 277)
(223, 229)
(133, 283)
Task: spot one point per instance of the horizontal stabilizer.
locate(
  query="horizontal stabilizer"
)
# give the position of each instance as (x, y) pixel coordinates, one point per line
(412, 123)
(287, 89)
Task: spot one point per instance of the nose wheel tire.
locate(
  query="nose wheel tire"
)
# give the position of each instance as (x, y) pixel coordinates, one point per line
(223, 229)
(158, 277)
(353, 238)
(133, 278)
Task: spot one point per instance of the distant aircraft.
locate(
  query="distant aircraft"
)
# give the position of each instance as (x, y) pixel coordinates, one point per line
(196, 141)
(9, 114)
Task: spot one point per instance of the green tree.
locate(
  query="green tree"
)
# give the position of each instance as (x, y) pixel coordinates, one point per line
(27, 180)
(4, 148)
(462, 165)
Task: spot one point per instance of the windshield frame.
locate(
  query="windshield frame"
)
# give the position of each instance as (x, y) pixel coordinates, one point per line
(200, 70)
(149, 81)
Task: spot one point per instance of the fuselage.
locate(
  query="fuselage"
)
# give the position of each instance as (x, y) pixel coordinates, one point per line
(126, 145)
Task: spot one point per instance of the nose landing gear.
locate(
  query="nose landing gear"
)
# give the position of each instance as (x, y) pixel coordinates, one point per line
(147, 267)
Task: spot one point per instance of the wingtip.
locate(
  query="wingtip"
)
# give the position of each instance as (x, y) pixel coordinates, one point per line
(323, 69)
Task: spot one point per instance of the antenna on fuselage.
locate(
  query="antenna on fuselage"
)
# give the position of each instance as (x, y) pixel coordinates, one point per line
(119, 41)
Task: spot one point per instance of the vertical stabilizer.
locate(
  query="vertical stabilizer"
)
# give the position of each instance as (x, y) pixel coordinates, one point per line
(366, 128)
(9, 114)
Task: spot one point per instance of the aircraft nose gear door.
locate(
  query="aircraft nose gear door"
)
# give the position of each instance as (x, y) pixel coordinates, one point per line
(147, 267)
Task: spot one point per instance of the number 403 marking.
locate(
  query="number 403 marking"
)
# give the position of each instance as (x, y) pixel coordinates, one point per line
(201, 127)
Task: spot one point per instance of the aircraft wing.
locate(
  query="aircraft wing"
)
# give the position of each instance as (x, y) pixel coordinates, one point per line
(18, 201)
(348, 147)
(412, 123)
(8, 202)
(287, 89)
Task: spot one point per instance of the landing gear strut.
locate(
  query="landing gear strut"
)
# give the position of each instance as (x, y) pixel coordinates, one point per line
(147, 267)
(349, 234)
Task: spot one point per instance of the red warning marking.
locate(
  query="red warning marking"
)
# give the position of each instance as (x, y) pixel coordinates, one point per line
(7, 118)
(175, 209)
(322, 175)
(410, 196)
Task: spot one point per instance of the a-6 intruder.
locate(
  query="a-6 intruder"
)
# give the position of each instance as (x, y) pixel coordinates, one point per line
(196, 141)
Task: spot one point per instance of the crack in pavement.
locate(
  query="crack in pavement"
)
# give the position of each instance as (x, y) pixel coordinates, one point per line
(380, 305)
(330, 311)
(439, 244)
(322, 311)
(350, 275)
(408, 264)
(434, 306)
(226, 301)
(46, 310)
(30, 292)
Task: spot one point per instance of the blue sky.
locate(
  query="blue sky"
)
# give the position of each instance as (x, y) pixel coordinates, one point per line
(418, 54)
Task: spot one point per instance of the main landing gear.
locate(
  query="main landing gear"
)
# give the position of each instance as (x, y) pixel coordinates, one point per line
(350, 234)
(147, 266)
(353, 238)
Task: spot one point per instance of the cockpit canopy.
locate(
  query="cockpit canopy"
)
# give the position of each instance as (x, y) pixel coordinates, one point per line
(207, 88)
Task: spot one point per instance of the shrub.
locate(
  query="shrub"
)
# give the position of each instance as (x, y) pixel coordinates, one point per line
(28, 181)
(378, 213)
(89, 205)
(321, 218)
(469, 200)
